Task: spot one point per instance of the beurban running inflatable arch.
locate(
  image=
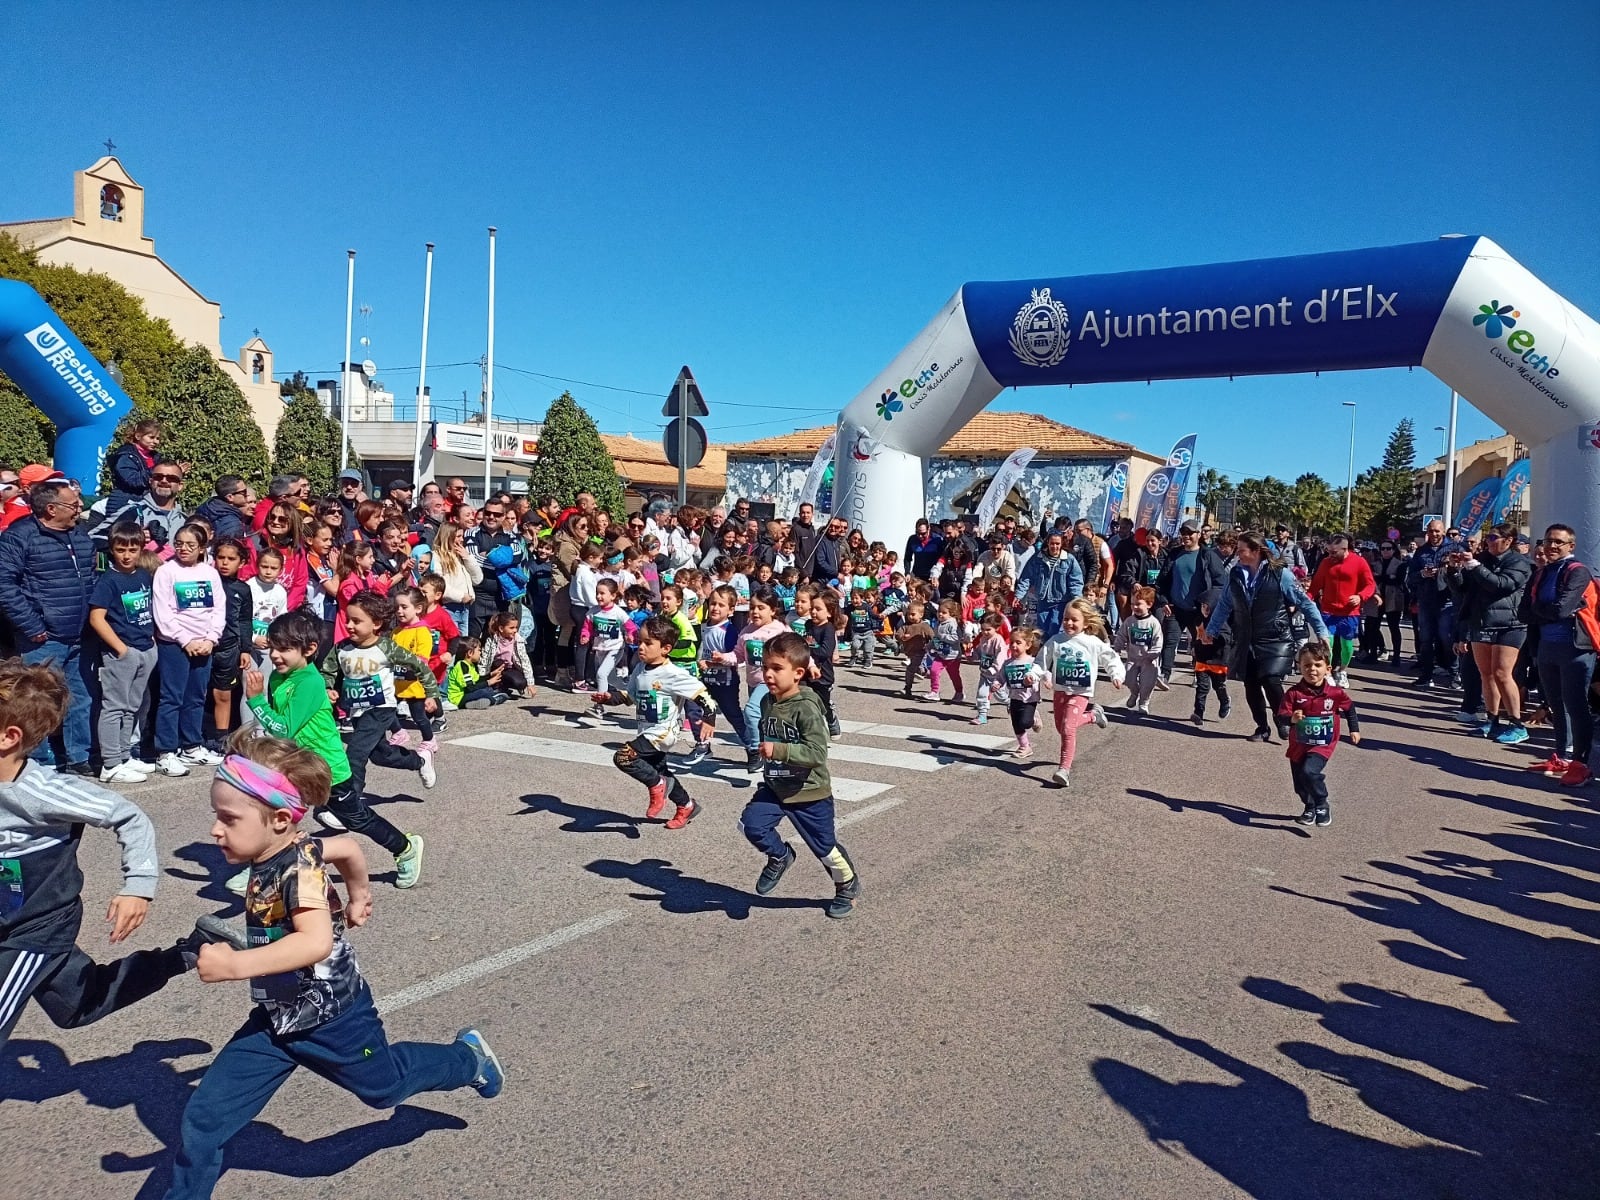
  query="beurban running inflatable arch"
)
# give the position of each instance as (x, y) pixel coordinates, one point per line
(1461, 307)
(50, 365)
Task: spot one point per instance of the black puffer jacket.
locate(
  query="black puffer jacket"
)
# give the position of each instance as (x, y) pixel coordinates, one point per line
(1489, 592)
(46, 576)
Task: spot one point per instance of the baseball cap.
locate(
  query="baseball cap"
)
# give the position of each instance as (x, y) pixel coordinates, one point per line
(399, 485)
(350, 474)
(37, 473)
(1187, 527)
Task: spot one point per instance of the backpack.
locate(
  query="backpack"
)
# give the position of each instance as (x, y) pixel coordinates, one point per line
(1586, 620)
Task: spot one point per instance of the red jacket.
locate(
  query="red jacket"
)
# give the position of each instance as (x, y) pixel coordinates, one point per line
(1336, 582)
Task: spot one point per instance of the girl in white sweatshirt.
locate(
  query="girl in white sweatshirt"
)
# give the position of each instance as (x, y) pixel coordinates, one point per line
(1073, 660)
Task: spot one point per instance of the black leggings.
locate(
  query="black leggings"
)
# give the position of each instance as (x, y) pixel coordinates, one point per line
(640, 760)
(824, 693)
(1264, 694)
(1022, 713)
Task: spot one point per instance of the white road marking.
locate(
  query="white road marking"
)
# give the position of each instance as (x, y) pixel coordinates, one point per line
(932, 737)
(851, 791)
(451, 980)
(873, 756)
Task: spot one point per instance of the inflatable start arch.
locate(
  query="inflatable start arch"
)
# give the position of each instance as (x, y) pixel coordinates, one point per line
(52, 368)
(1460, 307)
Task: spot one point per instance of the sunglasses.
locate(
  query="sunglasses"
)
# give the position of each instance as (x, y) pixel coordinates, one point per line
(167, 479)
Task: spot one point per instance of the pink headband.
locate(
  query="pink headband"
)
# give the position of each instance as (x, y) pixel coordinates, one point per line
(270, 787)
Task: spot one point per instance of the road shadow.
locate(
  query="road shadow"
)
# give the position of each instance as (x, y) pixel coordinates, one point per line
(211, 871)
(582, 819)
(1506, 921)
(684, 894)
(147, 1079)
(1232, 813)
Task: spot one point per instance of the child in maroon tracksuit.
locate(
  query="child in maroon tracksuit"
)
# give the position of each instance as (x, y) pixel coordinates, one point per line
(1313, 706)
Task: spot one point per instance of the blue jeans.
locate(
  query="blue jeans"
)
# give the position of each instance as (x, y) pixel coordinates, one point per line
(185, 687)
(752, 717)
(1433, 646)
(351, 1050)
(1048, 620)
(71, 743)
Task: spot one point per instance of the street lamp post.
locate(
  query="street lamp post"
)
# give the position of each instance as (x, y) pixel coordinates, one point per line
(1350, 474)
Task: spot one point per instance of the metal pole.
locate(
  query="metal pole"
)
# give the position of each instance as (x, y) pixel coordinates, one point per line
(344, 380)
(488, 382)
(1350, 474)
(683, 442)
(422, 373)
(1450, 464)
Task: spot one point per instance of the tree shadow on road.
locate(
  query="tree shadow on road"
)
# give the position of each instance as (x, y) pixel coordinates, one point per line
(1509, 1030)
(147, 1080)
(581, 819)
(1249, 818)
(686, 894)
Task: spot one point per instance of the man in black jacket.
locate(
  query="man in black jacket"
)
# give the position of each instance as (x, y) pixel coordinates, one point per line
(804, 535)
(923, 549)
(830, 547)
(46, 575)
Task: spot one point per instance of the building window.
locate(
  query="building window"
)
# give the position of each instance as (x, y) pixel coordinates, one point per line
(111, 203)
(258, 368)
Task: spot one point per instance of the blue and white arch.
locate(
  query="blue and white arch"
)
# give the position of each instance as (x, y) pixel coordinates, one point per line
(1461, 307)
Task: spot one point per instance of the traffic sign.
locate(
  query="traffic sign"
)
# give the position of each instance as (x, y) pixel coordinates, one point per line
(685, 393)
(693, 445)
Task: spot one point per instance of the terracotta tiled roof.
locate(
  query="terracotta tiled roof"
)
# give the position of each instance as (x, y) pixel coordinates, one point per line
(644, 464)
(989, 434)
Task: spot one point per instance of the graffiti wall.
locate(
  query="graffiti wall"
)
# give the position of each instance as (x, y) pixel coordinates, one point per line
(1074, 489)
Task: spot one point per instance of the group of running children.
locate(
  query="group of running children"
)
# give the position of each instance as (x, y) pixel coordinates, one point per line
(322, 717)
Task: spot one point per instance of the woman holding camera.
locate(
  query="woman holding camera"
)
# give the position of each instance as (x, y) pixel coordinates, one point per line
(1489, 584)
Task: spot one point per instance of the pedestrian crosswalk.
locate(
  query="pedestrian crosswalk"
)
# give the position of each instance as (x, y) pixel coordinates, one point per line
(936, 749)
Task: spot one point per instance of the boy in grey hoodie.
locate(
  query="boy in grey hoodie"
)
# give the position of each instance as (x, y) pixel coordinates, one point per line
(795, 782)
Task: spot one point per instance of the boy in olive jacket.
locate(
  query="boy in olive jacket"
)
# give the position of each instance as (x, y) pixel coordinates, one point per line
(795, 783)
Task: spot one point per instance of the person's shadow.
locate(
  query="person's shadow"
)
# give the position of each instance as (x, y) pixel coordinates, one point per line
(145, 1078)
(211, 871)
(1249, 818)
(680, 893)
(581, 819)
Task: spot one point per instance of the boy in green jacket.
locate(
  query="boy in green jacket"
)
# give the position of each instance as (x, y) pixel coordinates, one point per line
(795, 784)
(294, 705)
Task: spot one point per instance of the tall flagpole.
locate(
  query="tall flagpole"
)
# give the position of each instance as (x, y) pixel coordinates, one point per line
(344, 380)
(422, 374)
(488, 381)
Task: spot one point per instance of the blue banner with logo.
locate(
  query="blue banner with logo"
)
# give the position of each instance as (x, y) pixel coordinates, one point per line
(1114, 497)
(1152, 497)
(1181, 460)
(1512, 489)
(1477, 506)
(1315, 312)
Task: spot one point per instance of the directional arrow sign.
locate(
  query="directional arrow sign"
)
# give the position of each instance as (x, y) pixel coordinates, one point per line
(685, 395)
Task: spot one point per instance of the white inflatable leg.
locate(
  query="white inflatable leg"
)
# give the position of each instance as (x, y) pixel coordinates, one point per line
(876, 488)
(1565, 474)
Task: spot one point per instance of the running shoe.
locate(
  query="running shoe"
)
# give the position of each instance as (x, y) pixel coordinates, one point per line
(122, 773)
(844, 896)
(658, 800)
(1309, 817)
(980, 719)
(1099, 713)
(328, 821)
(428, 774)
(1555, 766)
(1324, 816)
(399, 737)
(1260, 735)
(1577, 775)
(208, 930)
(1224, 709)
(1462, 716)
(200, 756)
(408, 863)
(701, 752)
(1061, 777)
(684, 814)
(1143, 710)
(752, 762)
(1163, 683)
(1132, 701)
(491, 1075)
(581, 687)
(172, 764)
(773, 871)
(931, 698)
(1512, 735)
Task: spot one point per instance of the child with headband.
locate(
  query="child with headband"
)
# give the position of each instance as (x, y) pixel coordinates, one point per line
(313, 1008)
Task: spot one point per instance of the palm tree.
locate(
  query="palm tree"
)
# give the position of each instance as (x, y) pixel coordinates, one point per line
(1313, 506)
(1212, 487)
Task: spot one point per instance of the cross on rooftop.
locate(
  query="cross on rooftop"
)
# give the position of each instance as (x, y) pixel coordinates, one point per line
(110, 145)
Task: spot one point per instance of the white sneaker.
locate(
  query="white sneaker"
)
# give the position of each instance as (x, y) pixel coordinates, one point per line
(1061, 778)
(1143, 710)
(199, 756)
(171, 764)
(328, 821)
(426, 771)
(141, 766)
(1099, 712)
(121, 773)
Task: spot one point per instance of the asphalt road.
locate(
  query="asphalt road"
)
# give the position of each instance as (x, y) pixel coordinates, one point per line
(1153, 985)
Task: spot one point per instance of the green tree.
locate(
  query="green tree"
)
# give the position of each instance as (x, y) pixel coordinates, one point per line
(573, 459)
(1263, 501)
(1212, 487)
(307, 441)
(1384, 494)
(1313, 507)
(207, 423)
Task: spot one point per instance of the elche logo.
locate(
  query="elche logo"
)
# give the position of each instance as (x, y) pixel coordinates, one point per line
(891, 401)
(1158, 484)
(1042, 333)
(46, 338)
(889, 404)
(1180, 457)
(1497, 319)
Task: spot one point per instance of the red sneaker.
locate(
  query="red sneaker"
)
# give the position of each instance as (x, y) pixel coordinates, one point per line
(658, 800)
(1555, 766)
(1577, 774)
(685, 814)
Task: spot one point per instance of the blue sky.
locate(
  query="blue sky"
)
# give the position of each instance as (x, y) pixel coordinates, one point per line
(783, 198)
